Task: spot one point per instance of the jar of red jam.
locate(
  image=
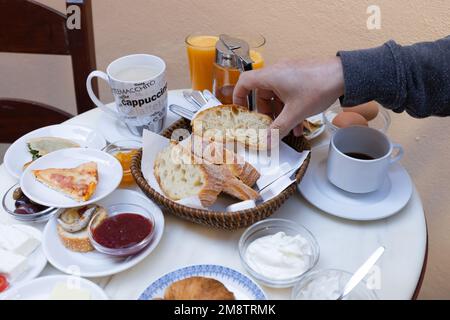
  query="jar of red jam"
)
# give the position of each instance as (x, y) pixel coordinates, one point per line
(127, 229)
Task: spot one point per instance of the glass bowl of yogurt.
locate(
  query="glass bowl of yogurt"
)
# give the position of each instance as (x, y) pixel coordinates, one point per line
(328, 284)
(277, 252)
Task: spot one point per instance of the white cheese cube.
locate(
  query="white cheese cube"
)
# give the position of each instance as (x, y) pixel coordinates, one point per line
(11, 264)
(17, 241)
(62, 292)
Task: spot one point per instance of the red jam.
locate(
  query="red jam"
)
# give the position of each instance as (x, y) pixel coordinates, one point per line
(122, 230)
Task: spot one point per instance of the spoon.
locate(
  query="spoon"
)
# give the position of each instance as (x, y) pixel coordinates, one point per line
(361, 272)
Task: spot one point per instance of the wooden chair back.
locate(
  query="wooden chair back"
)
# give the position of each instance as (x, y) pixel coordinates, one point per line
(27, 26)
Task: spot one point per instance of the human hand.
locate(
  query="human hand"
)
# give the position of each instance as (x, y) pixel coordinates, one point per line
(292, 90)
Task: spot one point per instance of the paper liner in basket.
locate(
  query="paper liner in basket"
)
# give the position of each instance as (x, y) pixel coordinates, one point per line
(274, 172)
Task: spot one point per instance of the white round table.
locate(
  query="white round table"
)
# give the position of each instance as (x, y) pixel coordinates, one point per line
(343, 244)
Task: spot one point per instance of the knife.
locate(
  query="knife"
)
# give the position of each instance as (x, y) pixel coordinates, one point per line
(361, 272)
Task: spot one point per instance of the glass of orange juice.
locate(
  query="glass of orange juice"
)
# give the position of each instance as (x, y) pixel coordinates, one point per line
(201, 50)
(124, 151)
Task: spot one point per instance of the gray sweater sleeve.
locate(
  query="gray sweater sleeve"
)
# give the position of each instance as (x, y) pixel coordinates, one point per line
(415, 78)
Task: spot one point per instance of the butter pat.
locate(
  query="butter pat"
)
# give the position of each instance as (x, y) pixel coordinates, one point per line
(62, 292)
(17, 241)
(11, 264)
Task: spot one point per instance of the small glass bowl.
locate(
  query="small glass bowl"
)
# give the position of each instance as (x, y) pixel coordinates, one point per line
(360, 292)
(271, 227)
(8, 204)
(118, 209)
(124, 146)
(381, 122)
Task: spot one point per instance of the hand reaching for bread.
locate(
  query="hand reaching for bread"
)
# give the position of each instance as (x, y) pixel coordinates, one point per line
(291, 91)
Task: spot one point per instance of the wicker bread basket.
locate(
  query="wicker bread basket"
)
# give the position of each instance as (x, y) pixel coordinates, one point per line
(217, 219)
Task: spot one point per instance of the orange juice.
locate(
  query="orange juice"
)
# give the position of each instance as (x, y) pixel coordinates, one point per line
(201, 52)
(258, 60)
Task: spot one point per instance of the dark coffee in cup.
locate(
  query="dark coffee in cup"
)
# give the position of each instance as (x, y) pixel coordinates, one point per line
(359, 159)
(359, 155)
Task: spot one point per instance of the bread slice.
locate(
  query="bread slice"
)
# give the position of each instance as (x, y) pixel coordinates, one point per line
(78, 183)
(233, 123)
(181, 175)
(217, 153)
(79, 241)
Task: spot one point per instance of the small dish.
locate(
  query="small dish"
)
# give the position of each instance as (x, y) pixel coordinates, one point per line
(381, 122)
(96, 264)
(122, 150)
(41, 288)
(393, 195)
(335, 281)
(318, 118)
(271, 227)
(242, 287)
(114, 211)
(36, 261)
(109, 176)
(8, 204)
(17, 154)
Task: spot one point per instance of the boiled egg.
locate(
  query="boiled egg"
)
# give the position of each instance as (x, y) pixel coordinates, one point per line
(349, 119)
(368, 110)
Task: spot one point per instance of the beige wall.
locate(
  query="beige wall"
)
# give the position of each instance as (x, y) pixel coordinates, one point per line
(301, 28)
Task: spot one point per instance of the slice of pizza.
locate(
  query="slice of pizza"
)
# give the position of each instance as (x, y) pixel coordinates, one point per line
(78, 183)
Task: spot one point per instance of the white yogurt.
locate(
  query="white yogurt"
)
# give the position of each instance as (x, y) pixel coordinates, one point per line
(279, 256)
(323, 287)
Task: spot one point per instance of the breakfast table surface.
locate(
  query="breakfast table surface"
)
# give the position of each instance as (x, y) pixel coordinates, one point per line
(344, 244)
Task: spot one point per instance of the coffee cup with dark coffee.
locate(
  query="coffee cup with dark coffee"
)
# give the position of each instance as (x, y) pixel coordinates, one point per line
(359, 159)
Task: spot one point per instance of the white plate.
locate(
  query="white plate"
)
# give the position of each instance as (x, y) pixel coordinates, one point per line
(242, 286)
(36, 260)
(109, 176)
(17, 154)
(41, 288)
(318, 132)
(96, 264)
(388, 200)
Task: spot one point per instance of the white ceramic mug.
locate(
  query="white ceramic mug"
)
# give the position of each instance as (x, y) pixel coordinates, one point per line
(139, 86)
(348, 170)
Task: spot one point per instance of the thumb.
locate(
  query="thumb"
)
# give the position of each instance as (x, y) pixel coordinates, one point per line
(285, 122)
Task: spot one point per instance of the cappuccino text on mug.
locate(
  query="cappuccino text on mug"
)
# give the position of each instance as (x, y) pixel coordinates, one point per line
(139, 86)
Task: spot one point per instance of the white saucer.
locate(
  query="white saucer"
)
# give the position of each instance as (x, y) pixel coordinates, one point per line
(115, 130)
(318, 132)
(388, 200)
(109, 176)
(41, 288)
(96, 264)
(17, 154)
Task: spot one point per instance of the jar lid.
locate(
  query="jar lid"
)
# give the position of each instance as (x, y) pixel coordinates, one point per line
(226, 57)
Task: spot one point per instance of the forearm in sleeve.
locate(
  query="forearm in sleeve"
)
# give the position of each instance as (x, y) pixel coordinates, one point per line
(415, 78)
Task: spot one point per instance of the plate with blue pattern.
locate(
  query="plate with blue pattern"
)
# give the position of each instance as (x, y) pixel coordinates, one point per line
(242, 286)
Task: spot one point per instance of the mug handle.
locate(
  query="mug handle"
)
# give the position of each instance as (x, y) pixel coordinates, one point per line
(399, 155)
(92, 95)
